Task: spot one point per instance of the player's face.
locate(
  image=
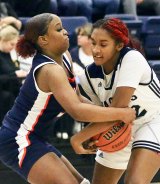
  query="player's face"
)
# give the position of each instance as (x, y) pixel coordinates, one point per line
(104, 48)
(57, 36)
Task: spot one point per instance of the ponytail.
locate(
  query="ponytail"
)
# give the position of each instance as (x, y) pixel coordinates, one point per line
(25, 48)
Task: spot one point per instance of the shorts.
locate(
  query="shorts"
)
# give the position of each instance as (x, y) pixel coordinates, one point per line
(9, 151)
(145, 135)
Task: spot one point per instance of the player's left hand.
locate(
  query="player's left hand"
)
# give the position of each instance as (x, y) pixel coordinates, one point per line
(79, 148)
(90, 144)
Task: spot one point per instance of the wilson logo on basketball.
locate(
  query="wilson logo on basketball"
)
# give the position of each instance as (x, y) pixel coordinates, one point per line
(114, 130)
(115, 138)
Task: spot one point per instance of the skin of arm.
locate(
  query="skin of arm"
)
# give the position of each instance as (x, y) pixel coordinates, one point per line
(121, 99)
(85, 134)
(58, 84)
(11, 20)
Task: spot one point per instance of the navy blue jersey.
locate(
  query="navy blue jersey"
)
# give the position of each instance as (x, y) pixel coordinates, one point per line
(34, 109)
(25, 127)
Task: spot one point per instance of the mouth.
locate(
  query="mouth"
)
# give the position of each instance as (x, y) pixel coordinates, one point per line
(97, 57)
(67, 38)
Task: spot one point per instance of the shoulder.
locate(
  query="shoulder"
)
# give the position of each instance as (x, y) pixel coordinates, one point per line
(131, 56)
(132, 53)
(52, 71)
(94, 71)
(134, 56)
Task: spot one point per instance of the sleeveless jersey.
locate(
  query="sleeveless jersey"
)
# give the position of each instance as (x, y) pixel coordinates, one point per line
(132, 70)
(34, 109)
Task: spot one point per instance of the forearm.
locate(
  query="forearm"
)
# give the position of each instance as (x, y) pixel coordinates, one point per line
(91, 113)
(89, 131)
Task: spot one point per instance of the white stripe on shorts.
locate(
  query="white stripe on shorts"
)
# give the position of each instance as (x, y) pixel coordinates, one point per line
(146, 144)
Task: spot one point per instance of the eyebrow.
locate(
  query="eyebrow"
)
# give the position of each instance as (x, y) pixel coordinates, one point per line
(100, 40)
(57, 24)
(104, 41)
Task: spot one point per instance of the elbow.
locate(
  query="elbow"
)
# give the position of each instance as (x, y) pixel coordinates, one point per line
(76, 115)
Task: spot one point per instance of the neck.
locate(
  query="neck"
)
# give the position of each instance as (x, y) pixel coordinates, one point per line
(109, 66)
(56, 57)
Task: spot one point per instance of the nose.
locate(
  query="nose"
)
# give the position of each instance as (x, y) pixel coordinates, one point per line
(65, 32)
(95, 49)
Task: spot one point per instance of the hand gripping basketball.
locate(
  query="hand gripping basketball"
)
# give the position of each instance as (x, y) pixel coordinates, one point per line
(115, 138)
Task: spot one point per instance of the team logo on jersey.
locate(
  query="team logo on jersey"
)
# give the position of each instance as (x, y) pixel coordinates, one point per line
(101, 155)
(100, 84)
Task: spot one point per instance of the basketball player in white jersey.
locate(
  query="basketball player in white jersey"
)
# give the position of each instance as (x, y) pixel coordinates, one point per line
(121, 77)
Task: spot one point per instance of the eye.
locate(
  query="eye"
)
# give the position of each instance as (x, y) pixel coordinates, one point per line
(59, 29)
(103, 45)
(93, 43)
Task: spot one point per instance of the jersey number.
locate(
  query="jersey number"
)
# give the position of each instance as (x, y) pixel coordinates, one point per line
(138, 112)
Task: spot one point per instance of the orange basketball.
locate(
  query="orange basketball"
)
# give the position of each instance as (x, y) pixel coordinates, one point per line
(115, 138)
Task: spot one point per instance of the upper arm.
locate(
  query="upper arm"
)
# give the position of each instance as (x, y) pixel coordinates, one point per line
(134, 70)
(58, 84)
(122, 96)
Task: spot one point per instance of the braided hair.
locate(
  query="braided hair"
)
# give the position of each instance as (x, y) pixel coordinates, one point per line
(119, 31)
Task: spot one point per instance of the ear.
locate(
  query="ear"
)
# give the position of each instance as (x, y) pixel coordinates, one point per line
(119, 46)
(42, 40)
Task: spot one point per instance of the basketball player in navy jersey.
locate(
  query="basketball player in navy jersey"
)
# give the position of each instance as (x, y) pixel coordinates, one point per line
(48, 90)
(121, 77)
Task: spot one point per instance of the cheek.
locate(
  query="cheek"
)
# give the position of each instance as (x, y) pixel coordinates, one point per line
(109, 53)
(6, 48)
(62, 46)
(80, 41)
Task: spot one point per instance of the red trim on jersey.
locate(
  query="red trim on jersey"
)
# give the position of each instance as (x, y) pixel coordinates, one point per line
(27, 136)
(71, 79)
(41, 113)
(24, 154)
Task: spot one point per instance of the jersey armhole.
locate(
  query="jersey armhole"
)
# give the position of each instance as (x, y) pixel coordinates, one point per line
(35, 82)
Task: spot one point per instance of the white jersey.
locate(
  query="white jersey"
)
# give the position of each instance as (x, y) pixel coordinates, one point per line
(132, 70)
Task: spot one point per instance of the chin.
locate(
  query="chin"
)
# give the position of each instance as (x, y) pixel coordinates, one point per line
(7, 51)
(98, 63)
(64, 49)
(67, 46)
